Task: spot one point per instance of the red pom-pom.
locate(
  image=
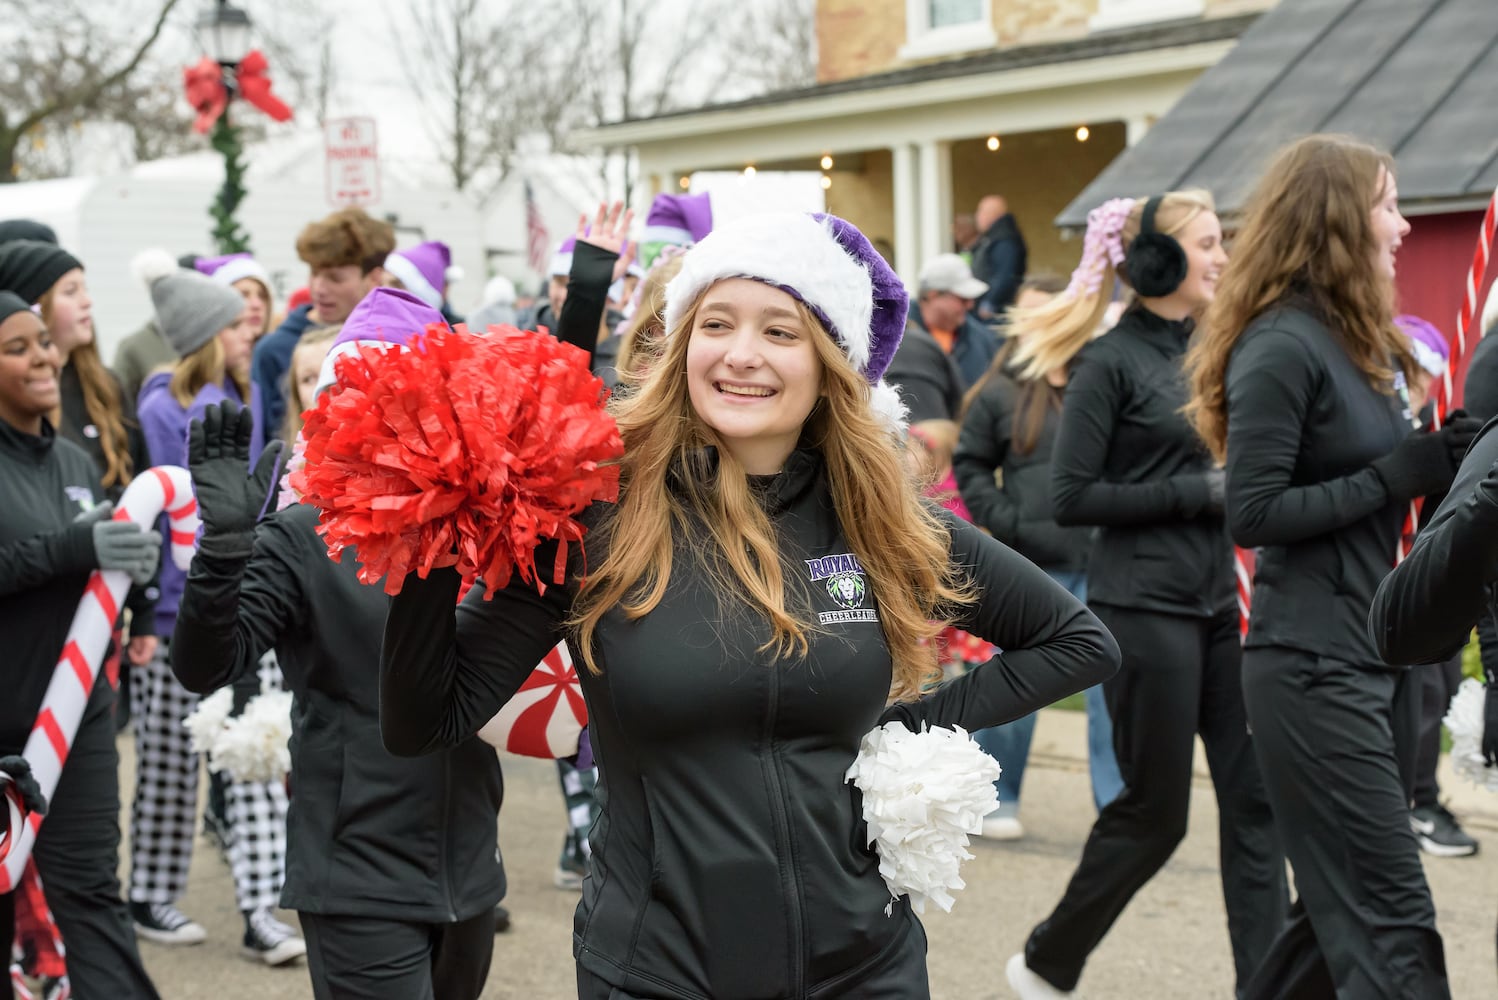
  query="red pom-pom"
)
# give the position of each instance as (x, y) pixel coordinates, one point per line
(466, 451)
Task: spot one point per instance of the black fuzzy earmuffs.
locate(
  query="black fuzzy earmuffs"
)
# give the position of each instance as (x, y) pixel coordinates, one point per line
(1155, 264)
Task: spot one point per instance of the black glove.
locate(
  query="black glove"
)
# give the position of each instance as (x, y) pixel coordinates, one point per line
(31, 793)
(1422, 463)
(229, 500)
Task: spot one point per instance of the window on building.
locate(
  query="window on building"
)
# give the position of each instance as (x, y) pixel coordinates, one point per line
(947, 27)
(1113, 14)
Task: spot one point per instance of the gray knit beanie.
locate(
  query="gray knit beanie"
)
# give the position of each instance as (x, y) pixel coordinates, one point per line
(191, 308)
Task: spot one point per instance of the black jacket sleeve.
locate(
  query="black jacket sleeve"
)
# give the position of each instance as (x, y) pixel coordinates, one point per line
(235, 609)
(1480, 388)
(1095, 395)
(1425, 609)
(587, 297)
(445, 671)
(1053, 646)
(40, 558)
(1270, 390)
(981, 448)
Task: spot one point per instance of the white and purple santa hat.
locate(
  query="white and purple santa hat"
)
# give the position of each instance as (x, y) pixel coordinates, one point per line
(561, 259)
(425, 270)
(680, 219)
(1430, 347)
(384, 316)
(233, 267)
(824, 262)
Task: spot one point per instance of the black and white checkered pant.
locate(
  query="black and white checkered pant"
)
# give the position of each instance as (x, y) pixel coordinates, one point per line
(163, 815)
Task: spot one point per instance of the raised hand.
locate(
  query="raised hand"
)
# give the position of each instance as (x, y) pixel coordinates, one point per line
(218, 450)
(610, 231)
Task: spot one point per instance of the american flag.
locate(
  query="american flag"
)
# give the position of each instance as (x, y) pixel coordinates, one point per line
(537, 242)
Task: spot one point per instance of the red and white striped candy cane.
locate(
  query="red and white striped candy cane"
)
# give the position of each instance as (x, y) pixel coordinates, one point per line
(1446, 391)
(165, 488)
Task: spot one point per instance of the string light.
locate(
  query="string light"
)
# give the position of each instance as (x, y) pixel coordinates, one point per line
(827, 161)
(684, 182)
(1082, 133)
(749, 171)
(993, 144)
(826, 182)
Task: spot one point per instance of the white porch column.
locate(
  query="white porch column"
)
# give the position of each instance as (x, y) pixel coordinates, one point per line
(935, 180)
(907, 212)
(1135, 127)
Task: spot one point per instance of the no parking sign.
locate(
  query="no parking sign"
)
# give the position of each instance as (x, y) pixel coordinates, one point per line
(353, 161)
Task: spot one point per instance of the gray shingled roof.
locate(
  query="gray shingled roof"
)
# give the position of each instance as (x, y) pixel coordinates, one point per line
(1416, 77)
(1096, 46)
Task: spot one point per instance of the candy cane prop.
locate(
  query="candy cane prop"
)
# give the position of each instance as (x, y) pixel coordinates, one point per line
(1446, 392)
(14, 815)
(165, 488)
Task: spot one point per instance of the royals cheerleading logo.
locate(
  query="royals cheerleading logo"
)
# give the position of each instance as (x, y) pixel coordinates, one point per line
(845, 585)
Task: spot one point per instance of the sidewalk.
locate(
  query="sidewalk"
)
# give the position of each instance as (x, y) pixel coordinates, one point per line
(1061, 742)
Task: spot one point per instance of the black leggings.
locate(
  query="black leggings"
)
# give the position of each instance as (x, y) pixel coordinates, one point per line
(1180, 677)
(377, 958)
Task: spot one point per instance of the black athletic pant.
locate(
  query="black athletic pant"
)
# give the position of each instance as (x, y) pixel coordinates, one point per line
(1326, 733)
(375, 958)
(1180, 677)
(77, 855)
(1438, 684)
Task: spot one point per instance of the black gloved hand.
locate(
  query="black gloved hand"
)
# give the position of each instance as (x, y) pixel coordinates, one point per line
(1421, 464)
(229, 500)
(31, 793)
(1458, 432)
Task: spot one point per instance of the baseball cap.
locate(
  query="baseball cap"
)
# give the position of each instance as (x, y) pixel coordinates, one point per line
(948, 272)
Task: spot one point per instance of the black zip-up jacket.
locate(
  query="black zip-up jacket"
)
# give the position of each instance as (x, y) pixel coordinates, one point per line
(45, 561)
(1480, 400)
(729, 859)
(368, 834)
(1423, 612)
(1127, 461)
(77, 427)
(1303, 425)
(1018, 513)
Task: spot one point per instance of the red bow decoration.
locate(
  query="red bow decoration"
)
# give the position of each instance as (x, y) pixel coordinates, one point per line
(204, 85)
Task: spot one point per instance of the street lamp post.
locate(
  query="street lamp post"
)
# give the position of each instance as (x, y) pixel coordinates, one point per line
(225, 33)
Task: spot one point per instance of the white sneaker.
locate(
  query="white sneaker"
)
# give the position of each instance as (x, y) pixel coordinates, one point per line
(1002, 828)
(268, 940)
(1027, 985)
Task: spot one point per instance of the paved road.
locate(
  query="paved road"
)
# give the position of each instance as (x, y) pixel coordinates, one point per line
(1171, 942)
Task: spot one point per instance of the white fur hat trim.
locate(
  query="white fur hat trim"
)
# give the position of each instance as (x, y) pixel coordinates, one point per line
(790, 250)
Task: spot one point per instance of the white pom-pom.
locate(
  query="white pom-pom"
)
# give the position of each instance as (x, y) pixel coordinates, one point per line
(924, 794)
(253, 746)
(151, 265)
(205, 724)
(453, 274)
(885, 400)
(1464, 720)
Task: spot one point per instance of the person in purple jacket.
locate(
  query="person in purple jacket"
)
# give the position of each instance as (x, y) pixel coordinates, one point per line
(205, 323)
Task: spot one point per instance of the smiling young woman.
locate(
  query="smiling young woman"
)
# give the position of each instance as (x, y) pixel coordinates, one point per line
(762, 585)
(1298, 382)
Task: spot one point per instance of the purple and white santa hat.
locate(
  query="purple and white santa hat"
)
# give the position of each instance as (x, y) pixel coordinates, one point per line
(1430, 347)
(425, 270)
(561, 259)
(384, 316)
(824, 262)
(681, 219)
(233, 267)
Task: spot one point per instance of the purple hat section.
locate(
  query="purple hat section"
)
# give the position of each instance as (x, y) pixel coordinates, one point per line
(422, 269)
(678, 218)
(1431, 348)
(891, 300)
(384, 316)
(561, 259)
(233, 267)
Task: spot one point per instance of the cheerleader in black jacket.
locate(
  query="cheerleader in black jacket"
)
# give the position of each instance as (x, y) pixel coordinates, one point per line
(53, 535)
(1299, 382)
(1160, 577)
(764, 582)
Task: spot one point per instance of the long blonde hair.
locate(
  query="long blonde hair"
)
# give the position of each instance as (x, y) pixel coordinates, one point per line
(101, 401)
(1048, 336)
(1308, 231)
(902, 545)
(205, 366)
(640, 345)
(295, 404)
